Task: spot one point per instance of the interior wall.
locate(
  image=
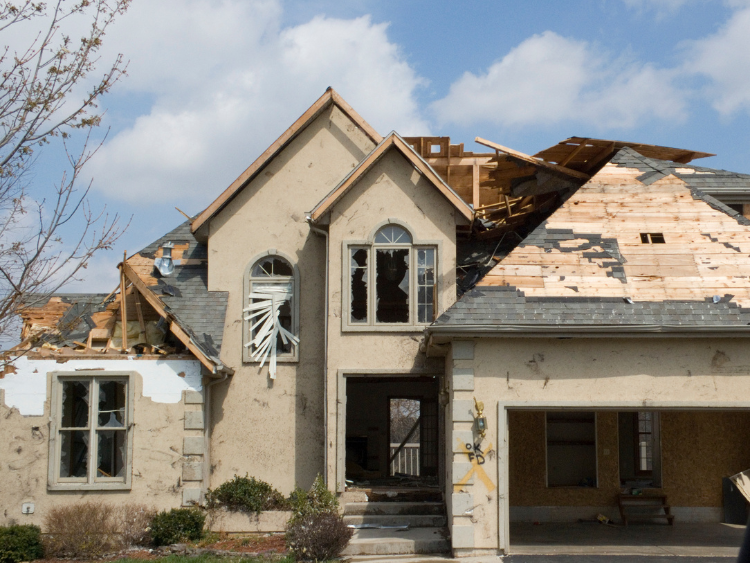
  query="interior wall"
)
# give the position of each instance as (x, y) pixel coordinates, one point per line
(367, 411)
(698, 450)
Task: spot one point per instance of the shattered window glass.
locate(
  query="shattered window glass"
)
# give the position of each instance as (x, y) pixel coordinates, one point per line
(272, 266)
(392, 285)
(426, 285)
(105, 438)
(358, 265)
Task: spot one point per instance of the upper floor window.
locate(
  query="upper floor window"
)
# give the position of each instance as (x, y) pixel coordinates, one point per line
(271, 311)
(392, 280)
(91, 442)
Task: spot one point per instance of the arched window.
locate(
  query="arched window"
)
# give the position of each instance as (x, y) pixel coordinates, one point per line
(403, 279)
(271, 311)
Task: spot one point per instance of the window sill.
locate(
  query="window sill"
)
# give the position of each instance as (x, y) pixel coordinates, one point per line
(89, 487)
(384, 328)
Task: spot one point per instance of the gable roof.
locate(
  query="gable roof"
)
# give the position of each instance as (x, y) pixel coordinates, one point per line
(590, 265)
(392, 141)
(329, 97)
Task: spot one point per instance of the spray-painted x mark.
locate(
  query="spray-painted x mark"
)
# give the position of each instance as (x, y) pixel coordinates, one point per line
(476, 468)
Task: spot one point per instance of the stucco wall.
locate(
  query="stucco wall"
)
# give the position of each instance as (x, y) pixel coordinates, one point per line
(391, 189)
(273, 430)
(591, 374)
(162, 476)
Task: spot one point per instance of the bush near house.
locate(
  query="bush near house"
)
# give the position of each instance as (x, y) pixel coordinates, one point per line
(177, 525)
(316, 531)
(20, 543)
(85, 529)
(317, 537)
(246, 494)
(90, 529)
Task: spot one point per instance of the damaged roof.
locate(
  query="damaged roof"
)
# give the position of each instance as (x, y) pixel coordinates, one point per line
(640, 244)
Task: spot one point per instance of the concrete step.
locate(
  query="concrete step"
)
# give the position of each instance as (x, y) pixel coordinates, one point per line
(391, 542)
(381, 508)
(412, 520)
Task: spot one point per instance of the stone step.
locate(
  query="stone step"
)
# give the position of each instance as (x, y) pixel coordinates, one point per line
(412, 520)
(375, 508)
(404, 495)
(391, 542)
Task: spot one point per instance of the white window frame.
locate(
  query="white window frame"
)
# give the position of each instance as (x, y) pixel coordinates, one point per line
(293, 356)
(91, 481)
(372, 325)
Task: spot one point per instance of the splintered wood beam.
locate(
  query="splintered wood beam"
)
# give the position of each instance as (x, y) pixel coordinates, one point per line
(138, 310)
(158, 306)
(573, 153)
(475, 184)
(507, 205)
(123, 304)
(531, 160)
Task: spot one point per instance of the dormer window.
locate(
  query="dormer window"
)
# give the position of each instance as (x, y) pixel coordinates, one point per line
(392, 281)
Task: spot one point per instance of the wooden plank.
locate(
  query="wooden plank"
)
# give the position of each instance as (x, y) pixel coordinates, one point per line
(123, 304)
(475, 185)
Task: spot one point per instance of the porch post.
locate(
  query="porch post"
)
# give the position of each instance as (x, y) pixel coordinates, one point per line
(503, 501)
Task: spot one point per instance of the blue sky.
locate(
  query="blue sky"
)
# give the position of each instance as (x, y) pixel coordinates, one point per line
(213, 82)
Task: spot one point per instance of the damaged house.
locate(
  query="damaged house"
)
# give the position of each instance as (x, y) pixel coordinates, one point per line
(482, 338)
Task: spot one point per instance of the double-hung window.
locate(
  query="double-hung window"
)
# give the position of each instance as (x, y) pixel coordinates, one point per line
(91, 445)
(392, 281)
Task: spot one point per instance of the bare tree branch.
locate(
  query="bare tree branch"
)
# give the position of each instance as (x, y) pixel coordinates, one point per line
(37, 81)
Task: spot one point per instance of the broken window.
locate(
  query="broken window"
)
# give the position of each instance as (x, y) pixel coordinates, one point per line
(403, 277)
(270, 312)
(92, 420)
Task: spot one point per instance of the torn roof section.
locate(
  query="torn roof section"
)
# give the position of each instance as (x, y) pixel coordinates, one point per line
(639, 244)
(165, 315)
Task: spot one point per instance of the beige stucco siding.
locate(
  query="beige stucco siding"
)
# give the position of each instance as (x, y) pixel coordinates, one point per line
(164, 475)
(391, 189)
(273, 430)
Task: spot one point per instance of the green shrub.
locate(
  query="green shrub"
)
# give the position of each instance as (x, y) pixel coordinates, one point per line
(84, 529)
(177, 525)
(20, 543)
(317, 500)
(317, 537)
(246, 494)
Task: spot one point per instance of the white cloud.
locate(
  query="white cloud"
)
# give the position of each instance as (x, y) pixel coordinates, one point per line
(661, 7)
(223, 96)
(549, 79)
(724, 58)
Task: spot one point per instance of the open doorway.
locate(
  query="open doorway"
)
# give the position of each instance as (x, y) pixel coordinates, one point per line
(392, 431)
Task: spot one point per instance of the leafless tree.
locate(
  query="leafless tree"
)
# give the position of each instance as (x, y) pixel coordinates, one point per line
(404, 414)
(48, 234)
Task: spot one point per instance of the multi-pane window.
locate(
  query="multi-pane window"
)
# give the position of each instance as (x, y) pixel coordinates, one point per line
(92, 426)
(392, 281)
(644, 442)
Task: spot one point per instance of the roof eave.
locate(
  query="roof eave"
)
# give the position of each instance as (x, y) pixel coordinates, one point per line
(588, 331)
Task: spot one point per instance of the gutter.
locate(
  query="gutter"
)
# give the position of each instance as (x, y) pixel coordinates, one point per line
(588, 331)
(324, 234)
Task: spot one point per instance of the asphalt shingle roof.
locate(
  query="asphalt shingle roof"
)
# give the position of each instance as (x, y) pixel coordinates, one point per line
(506, 305)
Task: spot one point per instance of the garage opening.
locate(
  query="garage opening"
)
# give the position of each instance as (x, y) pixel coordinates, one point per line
(566, 469)
(392, 431)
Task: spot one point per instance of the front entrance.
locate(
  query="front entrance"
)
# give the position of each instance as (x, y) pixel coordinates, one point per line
(392, 431)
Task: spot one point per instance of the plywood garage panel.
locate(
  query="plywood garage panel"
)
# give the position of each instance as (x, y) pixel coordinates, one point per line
(698, 449)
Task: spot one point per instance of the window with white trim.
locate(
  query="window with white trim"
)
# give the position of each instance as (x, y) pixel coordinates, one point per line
(392, 281)
(91, 445)
(270, 312)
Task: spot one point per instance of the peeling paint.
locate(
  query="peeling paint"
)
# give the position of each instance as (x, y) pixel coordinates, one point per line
(163, 380)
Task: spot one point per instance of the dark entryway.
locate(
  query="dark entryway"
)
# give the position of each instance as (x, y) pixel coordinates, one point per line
(392, 431)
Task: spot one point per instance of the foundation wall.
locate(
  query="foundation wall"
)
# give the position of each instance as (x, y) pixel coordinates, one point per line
(167, 438)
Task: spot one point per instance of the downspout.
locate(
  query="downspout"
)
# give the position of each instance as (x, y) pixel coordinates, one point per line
(207, 430)
(324, 234)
